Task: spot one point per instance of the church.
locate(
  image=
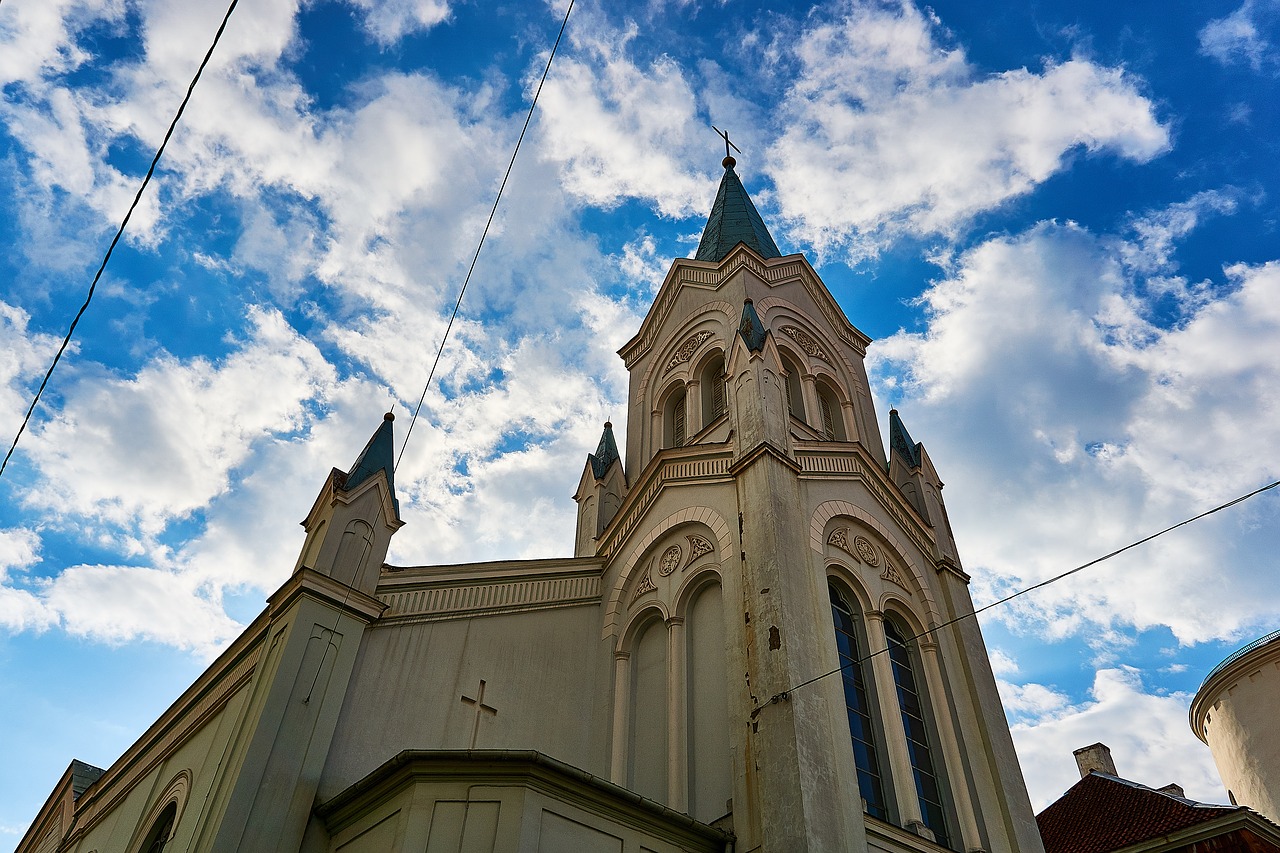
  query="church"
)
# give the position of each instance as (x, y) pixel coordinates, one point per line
(759, 643)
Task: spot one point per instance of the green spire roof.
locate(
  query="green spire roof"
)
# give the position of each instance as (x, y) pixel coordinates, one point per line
(606, 454)
(900, 440)
(733, 220)
(378, 455)
(750, 327)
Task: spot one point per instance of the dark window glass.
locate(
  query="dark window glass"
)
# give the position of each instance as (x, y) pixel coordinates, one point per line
(158, 837)
(928, 789)
(857, 702)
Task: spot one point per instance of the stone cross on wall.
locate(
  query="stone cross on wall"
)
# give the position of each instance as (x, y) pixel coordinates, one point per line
(481, 710)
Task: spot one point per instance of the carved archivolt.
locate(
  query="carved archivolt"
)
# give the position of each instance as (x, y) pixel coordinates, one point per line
(698, 546)
(646, 585)
(670, 560)
(840, 538)
(806, 342)
(865, 551)
(687, 349)
(891, 574)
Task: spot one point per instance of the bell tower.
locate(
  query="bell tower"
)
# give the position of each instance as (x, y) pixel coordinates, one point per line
(776, 583)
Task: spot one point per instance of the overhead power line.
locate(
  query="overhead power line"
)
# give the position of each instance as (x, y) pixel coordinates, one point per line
(485, 233)
(66, 340)
(779, 697)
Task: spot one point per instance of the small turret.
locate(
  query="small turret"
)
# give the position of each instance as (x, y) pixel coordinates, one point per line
(600, 492)
(911, 469)
(757, 387)
(353, 518)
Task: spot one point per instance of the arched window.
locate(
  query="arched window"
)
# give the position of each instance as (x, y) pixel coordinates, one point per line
(832, 418)
(713, 379)
(795, 396)
(674, 420)
(858, 704)
(160, 831)
(914, 720)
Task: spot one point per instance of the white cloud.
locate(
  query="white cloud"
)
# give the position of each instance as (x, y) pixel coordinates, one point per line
(159, 445)
(888, 131)
(1159, 750)
(391, 20)
(621, 129)
(1244, 36)
(1085, 425)
(115, 604)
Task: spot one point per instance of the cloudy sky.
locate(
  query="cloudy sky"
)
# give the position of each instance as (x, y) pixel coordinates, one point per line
(1058, 221)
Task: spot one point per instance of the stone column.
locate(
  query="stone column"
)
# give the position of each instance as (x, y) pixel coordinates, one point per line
(895, 737)
(950, 747)
(677, 718)
(693, 422)
(621, 717)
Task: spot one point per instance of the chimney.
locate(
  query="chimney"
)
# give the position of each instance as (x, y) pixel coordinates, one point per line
(1095, 757)
(1174, 789)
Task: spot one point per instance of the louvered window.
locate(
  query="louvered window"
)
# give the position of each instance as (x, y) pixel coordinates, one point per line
(678, 423)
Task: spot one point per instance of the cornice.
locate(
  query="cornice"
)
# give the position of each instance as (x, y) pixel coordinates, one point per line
(1235, 666)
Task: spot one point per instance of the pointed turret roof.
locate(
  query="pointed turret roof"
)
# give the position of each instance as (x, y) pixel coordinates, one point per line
(606, 454)
(378, 455)
(733, 220)
(900, 440)
(750, 327)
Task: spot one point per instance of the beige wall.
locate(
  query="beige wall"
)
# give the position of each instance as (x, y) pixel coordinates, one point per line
(1235, 713)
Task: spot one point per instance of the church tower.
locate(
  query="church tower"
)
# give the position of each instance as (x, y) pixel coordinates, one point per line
(779, 594)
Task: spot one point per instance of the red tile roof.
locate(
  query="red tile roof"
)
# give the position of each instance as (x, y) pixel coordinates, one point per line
(1101, 813)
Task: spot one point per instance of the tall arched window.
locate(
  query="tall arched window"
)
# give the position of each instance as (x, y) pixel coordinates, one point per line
(858, 704)
(795, 396)
(674, 420)
(713, 402)
(914, 721)
(832, 418)
(160, 831)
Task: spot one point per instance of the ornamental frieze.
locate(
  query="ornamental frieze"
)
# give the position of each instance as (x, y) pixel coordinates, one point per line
(686, 350)
(806, 342)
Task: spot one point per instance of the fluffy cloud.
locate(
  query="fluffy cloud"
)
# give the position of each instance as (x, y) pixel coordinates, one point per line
(621, 129)
(1244, 36)
(1145, 753)
(887, 131)
(157, 446)
(1086, 424)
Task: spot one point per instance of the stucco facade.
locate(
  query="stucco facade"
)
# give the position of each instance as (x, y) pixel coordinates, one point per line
(747, 650)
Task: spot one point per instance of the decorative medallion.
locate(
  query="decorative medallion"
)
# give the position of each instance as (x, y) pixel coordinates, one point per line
(805, 341)
(698, 546)
(687, 349)
(865, 551)
(646, 585)
(891, 574)
(670, 561)
(840, 538)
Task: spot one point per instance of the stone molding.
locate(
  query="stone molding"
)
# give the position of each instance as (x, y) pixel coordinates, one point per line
(460, 598)
(831, 509)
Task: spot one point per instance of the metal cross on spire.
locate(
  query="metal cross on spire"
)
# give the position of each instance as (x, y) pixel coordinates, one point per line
(729, 162)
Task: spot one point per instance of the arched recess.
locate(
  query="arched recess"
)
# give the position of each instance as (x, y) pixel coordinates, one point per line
(707, 516)
(831, 509)
(674, 406)
(158, 828)
(719, 317)
(712, 387)
(830, 420)
(794, 384)
(647, 744)
(709, 762)
(353, 551)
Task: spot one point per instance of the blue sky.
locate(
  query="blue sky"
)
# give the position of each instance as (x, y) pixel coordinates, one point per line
(1058, 221)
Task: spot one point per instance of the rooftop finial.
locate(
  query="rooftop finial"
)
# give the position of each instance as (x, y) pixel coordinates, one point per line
(728, 161)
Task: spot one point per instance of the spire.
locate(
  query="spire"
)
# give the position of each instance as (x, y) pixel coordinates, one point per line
(733, 220)
(750, 327)
(378, 455)
(900, 440)
(606, 454)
